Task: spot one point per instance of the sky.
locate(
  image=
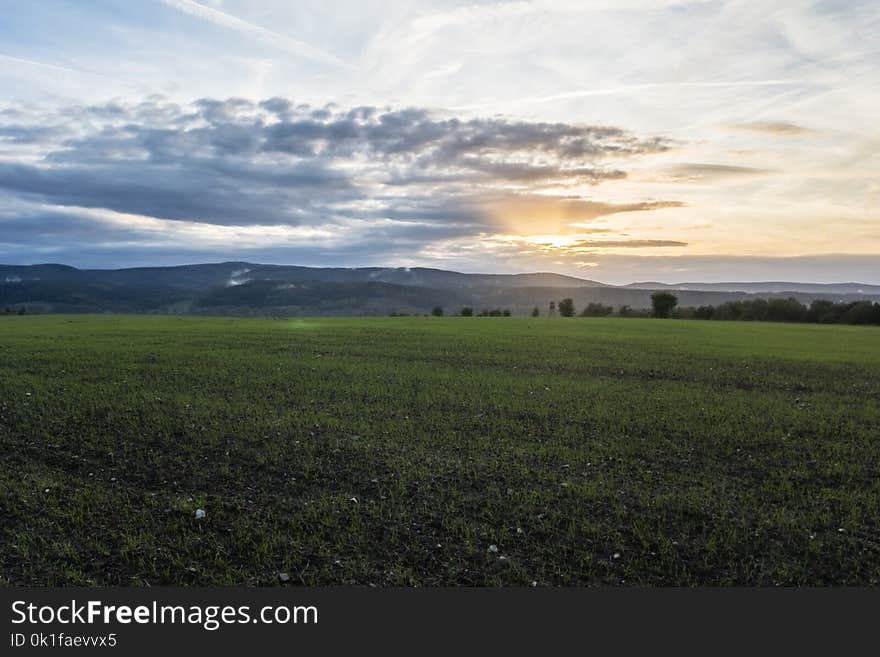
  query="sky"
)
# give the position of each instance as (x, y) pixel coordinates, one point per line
(615, 140)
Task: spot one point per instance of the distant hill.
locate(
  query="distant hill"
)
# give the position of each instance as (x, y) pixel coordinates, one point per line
(213, 275)
(774, 287)
(242, 288)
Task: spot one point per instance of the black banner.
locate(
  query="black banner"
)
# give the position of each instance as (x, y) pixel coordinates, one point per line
(410, 621)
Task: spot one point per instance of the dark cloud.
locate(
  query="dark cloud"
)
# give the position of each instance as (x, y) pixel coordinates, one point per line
(27, 134)
(213, 193)
(34, 234)
(237, 163)
(266, 154)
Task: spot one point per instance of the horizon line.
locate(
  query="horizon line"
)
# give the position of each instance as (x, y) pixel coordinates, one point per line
(451, 271)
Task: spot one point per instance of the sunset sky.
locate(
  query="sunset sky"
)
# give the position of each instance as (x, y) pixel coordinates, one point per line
(614, 140)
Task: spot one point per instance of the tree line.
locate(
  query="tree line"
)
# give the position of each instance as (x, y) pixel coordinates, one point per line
(665, 305)
(820, 311)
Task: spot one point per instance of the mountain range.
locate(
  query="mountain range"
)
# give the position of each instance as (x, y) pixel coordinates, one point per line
(242, 288)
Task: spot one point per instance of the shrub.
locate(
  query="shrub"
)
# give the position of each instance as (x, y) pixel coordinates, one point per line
(467, 311)
(594, 309)
(684, 312)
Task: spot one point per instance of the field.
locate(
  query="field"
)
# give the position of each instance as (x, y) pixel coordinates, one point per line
(437, 451)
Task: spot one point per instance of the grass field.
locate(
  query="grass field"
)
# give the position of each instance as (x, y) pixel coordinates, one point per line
(436, 451)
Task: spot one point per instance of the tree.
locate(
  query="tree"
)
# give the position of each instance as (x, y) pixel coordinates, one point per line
(467, 311)
(437, 311)
(663, 304)
(552, 311)
(566, 308)
(505, 312)
(536, 312)
(859, 312)
(821, 310)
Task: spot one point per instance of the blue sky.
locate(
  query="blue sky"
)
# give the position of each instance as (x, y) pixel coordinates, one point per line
(620, 141)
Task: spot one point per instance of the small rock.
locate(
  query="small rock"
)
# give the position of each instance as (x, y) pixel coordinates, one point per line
(200, 513)
(47, 490)
(284, 577)
(616, 555)
(493, 548)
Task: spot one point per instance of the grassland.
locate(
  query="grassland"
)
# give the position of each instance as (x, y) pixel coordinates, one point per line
(406, 451)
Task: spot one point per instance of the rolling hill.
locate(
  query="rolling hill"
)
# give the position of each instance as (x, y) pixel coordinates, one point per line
(242, 288)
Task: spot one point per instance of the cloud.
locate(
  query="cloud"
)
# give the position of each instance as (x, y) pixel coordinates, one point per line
(235, 162)
(623, 244)
(281, 177)
(540, 213)
(698, 171)
(774, 128)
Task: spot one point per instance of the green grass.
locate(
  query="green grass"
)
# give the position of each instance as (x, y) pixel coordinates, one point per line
(398, 450)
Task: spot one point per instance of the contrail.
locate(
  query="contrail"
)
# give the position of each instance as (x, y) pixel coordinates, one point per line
(55, 67)
(584, 93)
(223, 19)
